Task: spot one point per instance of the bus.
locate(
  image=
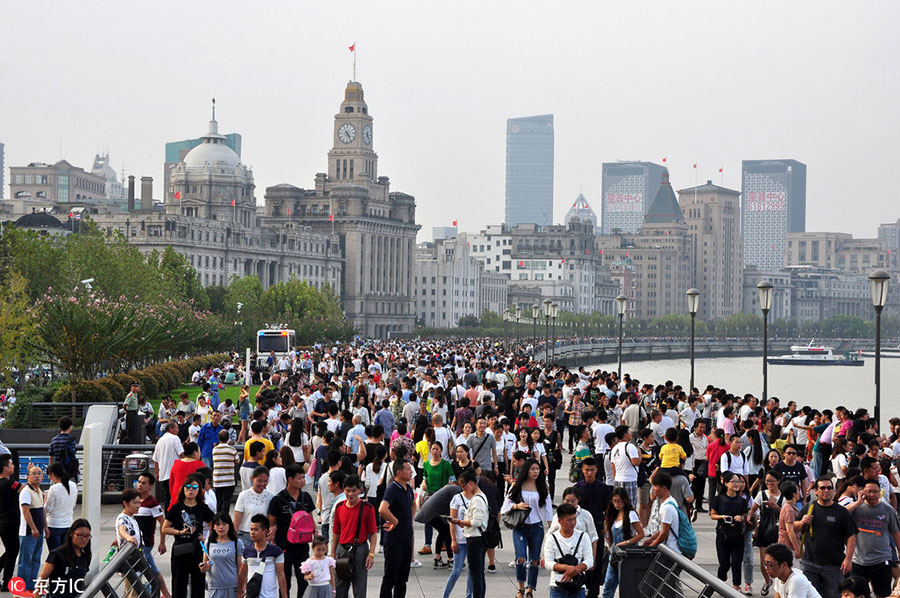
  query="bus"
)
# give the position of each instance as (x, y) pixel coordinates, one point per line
(279, 340)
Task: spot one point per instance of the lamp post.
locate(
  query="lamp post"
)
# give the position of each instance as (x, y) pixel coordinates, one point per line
(621, 306)
(518, 312)
(237, 329)
(547, 303)
(765, 289)
(535, 314)
(554, 313)
(693, 299)
(878, 281)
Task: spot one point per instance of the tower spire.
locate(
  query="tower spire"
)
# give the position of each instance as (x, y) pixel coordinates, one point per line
(213, 125)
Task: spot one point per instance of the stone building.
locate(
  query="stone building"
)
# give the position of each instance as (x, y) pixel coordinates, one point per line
(839, 251)
(60, 183)
(374, 227)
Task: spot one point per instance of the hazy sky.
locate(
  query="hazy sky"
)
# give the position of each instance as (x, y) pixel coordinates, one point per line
(708, 81)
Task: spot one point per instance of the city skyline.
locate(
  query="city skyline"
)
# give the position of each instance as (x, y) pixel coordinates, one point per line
(446, 104)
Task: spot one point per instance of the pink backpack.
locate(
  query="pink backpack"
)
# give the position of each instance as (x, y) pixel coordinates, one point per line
(302, 528)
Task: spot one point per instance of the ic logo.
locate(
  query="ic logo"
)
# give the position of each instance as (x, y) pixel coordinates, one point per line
(17, 586)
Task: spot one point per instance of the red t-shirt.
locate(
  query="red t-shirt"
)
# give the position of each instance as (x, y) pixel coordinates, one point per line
(180, 471)
(346, 519)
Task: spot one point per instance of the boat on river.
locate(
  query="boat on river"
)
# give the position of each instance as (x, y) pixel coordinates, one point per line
(816, 355)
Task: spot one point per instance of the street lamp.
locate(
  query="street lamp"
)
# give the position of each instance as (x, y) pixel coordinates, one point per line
(765, 289)
(518, 313)
(621, 306)
(693, 299)
(554, 312)
(878, 280)
(535, 314)
(547, 303)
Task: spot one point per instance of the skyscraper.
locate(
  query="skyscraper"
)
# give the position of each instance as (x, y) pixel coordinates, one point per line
(529, 170)
(2, 171)
(773, 194)
(628, 188)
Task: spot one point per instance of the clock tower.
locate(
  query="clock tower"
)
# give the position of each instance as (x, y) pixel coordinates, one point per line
(351, 159)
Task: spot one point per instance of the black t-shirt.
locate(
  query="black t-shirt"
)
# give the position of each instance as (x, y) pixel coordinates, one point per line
(723, 504)
(66, 571)
(197, 515)
(184, 431)
(594, 498)
(371, 447)
(400, 501)
(795, 473)
(10, 512)
(831, 527)
(283, 507)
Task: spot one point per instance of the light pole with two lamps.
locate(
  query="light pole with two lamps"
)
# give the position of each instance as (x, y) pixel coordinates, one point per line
(535, 314)
(554, 312)
(518, 312)
(621, 306)
(547, 303)
(878, 281)
(693, 299)
(766, 290)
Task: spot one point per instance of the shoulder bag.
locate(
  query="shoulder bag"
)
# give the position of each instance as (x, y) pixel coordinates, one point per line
(345, 566)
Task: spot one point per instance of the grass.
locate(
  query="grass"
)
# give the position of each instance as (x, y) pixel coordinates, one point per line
(231, 391)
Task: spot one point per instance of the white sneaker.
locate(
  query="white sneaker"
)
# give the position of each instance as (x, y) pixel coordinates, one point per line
(415, 564)
(512, 565)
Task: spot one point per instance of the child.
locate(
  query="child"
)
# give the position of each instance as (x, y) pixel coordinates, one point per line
(194, 430)
(671, 454)
(318, 570)
(220, 562)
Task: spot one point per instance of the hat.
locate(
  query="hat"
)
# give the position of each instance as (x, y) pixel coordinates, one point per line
(226, 421)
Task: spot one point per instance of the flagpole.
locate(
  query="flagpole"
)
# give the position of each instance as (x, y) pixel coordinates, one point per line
(354, 61)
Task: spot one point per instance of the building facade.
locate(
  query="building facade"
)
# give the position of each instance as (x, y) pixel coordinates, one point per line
(890, 234)
(529, 170)
(839, 251)
(781, 293)
(713, 218)
(374, 227)
(628, 188)
(177, 150)
(654, 268)
(60, 183)
(446, 283)
(3, 170)
(773, 196)
(115, 190)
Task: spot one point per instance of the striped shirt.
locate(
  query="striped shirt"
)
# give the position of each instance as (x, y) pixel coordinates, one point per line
(224, 458)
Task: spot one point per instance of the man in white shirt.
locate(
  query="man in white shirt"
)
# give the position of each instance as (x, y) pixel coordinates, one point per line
(443, 435)
(168, 449)
(668, 513)
(788, 582)
(625, 460)
(599, 429)
(567, 541)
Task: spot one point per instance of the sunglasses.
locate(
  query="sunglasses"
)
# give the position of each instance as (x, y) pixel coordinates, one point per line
(191, 487)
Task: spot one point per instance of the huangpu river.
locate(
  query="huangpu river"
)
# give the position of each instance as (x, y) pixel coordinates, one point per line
(821, 387)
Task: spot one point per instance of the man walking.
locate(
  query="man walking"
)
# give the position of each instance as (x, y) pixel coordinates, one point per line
(827, 530)
(168, 449)
(397, 509)
(354, 534)
(473, 528)
(208, 437)
(789, 582)
(877, 525)
(625, 460)
(281, 509)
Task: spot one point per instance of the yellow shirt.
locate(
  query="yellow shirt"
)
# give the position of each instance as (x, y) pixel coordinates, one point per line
(265, 441)
(671, 455)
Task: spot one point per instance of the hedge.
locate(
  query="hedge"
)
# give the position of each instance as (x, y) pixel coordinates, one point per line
(86, 391)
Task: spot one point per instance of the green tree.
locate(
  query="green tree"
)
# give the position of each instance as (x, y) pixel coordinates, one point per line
(17, 327)
(178, 277)
(216, 297)
(469, 322)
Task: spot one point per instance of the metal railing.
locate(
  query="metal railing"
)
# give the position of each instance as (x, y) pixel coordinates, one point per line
(46, 415)
(127, 575)
(671, 575)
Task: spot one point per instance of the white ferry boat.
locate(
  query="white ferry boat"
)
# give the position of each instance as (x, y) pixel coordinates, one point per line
(889, 352)
(816, 355)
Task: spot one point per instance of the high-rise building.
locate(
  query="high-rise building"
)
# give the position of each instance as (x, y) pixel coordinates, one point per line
(712, 214)
(581, 212)
(889, 233)
(529, 170)
(177, 150)
(628, 188)
(2, 171)
(773, 204)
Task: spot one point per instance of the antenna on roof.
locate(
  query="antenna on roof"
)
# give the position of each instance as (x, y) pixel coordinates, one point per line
(214, 108)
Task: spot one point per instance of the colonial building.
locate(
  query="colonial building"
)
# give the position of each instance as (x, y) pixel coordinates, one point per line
(374, 227)
(839, 251)
(61, 183)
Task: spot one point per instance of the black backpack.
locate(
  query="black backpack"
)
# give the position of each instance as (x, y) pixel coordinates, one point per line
(69, 460)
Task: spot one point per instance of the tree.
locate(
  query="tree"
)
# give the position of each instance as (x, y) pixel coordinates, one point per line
(17, 327)
(178, 277)
(469, 322)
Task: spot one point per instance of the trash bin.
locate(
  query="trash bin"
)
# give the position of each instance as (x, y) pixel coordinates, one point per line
(634, 562)
(135, 464)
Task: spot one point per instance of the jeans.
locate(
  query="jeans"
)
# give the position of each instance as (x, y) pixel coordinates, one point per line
(612, 571)
(730, 551)
(527, 542)
(458, 563)
(475, 558)
(556, 592)
(30, 558)
(748, 557)
(57, 537)
(698, 485)
(443, 537)
(825, 578)
(398, 554)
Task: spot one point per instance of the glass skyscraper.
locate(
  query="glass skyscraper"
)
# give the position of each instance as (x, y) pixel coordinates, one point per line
(628, 189)
(773, 204)
(529, 170)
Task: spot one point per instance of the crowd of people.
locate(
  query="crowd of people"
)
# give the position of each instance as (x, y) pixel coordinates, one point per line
(343, 449)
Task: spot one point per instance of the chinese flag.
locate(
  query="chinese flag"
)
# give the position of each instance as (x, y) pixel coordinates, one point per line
(71, 214)
(331, 218)
(232, 203)
(563, 261)
(178, 195)
(664, 160)
(720, 170)
(522, 264)
(353, 47)
(454, 223)
(695, 165)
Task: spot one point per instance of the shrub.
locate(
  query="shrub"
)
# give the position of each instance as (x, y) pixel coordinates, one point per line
(86, 391)
(116, 391)
(149, 385)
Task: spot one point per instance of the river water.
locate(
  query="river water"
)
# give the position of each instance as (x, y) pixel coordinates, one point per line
(821, 387)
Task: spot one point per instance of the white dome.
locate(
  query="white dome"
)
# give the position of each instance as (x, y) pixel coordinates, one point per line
(212, 153)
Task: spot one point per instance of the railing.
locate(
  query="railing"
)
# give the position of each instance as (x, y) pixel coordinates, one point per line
(126, 574)
(46, 415)
(671, 575)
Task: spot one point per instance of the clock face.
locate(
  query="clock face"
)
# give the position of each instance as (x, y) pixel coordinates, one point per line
(347, 133)
(367, 134)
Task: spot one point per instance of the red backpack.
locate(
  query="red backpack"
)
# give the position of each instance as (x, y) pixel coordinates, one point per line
(302, 528)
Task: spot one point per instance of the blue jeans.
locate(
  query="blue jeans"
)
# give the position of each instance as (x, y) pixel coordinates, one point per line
(57, 538)
(30, 559)
(612, 571)
(561, 593)
(748, 557)
(458, 562)
(527, 542)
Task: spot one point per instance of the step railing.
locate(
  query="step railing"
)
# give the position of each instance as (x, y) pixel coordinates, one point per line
(126, 575)
(671, 575)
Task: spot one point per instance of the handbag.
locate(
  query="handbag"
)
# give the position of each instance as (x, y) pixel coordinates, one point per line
(185, 549)
(571, 560)
(767, 531)
(515, 518)
(345, 566)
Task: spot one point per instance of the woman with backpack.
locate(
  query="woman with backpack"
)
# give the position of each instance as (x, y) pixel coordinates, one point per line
(768, 503)
(729, 510)
(529, 493)
(623, 528)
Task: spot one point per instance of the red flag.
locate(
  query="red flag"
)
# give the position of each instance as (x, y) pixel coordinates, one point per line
(178, 195)
(563, 261)
(71, 215)
(353, 47)
(720, 170)
(664, 160)
(454, 223)
(331, 218)
(232, 203)
(522, 263)
(695, 165)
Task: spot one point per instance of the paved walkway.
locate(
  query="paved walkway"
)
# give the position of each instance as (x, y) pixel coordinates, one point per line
(426, 582)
